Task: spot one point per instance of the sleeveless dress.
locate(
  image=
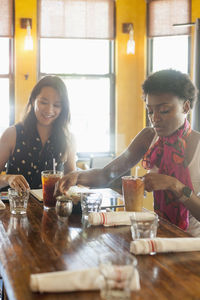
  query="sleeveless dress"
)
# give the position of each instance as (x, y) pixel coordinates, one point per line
(194, 169)
(30, 159)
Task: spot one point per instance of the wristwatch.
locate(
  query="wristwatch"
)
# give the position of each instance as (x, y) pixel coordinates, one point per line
(186, 194)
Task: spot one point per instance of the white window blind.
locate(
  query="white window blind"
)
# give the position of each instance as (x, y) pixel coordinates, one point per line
(6, 18)
(162, 14)
(88, 19)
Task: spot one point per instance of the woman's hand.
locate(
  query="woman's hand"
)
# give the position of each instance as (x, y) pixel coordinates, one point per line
(67, 181)
(155, 182)
(17, 182)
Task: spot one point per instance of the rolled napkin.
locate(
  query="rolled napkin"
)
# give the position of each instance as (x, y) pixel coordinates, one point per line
(116, 218)
(146, 246)
(69, 281)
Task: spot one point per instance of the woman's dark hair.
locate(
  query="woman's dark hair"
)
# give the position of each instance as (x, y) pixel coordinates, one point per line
(60, 130)
(170, 81)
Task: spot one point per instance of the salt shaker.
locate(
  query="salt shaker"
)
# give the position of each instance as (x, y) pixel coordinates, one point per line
(63, 207)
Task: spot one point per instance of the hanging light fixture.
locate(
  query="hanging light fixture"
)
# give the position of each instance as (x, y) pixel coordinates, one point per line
(28, 42)
(128, 28)
(131, 42)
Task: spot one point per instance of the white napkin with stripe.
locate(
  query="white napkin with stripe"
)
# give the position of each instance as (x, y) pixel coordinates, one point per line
(116, 218)
(69, 281)
(146, 246)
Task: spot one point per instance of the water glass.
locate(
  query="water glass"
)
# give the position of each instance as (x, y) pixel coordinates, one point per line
(117, 272)
(90, 202)
(145, 226)
(18, 201)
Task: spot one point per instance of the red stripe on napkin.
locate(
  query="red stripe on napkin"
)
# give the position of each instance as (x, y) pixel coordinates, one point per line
(152, 246)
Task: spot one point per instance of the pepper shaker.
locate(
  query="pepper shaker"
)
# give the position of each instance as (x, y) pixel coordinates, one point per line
(63, 207)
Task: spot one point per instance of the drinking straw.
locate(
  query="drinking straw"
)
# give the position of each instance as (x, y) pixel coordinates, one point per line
(54, 166)
(136, 171)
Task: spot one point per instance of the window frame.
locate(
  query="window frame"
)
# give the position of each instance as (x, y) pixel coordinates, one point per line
(10, 77)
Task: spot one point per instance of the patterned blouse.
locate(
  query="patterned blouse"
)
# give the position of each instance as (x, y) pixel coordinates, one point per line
(30, 158)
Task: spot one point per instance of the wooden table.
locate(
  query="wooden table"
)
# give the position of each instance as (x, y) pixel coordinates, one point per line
(39, 243)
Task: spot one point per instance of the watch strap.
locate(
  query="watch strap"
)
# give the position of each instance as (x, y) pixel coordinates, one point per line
(186, 194)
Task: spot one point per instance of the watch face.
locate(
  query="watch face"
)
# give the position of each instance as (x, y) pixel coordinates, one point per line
(187, 191)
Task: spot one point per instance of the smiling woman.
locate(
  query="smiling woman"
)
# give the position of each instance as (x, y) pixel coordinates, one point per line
(30, 146)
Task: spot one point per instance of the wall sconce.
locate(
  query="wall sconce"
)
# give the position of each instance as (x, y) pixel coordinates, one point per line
(128, 28)
(28, 42)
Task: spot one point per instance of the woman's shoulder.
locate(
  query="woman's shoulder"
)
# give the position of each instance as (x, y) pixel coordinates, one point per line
(9, 132)
(195, 135)
(149, 130)
(147, 134)
(8, 138)
(143, 139)
(194, 138)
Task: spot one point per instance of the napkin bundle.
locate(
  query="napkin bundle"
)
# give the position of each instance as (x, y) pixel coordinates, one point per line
(116, 218)
(69, 281)
(146, 246)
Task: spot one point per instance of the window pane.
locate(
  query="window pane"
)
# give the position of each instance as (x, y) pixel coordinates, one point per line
(170, 52)
(4, 55)
(74, 56)
(4, 104)
(90, 109)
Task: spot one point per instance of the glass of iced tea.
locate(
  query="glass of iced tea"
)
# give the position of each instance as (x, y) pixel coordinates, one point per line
(49, 179)
(133, 193)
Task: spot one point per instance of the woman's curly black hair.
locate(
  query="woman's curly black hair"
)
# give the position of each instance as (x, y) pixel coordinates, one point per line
(170, 81)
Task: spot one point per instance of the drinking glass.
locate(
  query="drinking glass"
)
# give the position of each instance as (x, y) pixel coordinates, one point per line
(18, 201)
(90, 202)
(117, 272)
(133, 193)
(145, 227)
(49, 179)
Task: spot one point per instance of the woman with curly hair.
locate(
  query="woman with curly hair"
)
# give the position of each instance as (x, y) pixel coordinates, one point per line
(169, 150)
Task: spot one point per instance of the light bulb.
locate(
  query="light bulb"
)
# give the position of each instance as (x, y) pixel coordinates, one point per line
(130, 47)
(131, 43)
(28, 43)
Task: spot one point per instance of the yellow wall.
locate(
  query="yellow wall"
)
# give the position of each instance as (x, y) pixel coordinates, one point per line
(130, 72)
(25, 61)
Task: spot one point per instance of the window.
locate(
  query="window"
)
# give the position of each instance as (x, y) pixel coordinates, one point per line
(170, 52)
(89, 79)
(6, 76)
(80, 49)
(168, 45)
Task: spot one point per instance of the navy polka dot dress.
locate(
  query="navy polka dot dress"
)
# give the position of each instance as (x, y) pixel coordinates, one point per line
(30, 158)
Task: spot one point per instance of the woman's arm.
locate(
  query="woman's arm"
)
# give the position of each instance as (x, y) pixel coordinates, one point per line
(70, 164)
(155, 181)
(103, 177)
(7, 145)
